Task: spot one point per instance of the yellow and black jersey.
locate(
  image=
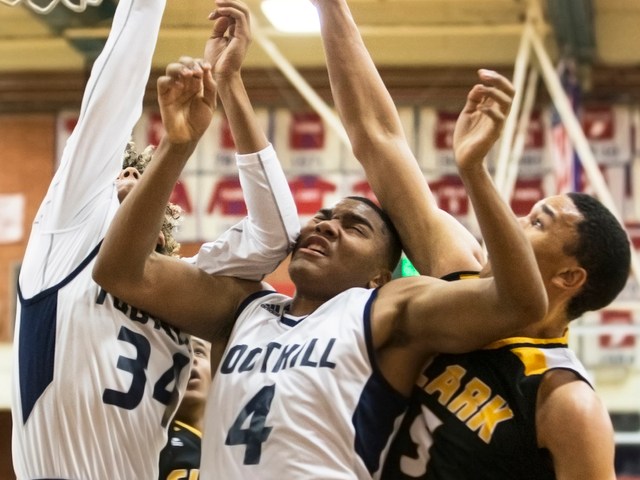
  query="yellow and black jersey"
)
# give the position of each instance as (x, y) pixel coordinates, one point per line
(472, 416)
(180, 458)
(463, 275)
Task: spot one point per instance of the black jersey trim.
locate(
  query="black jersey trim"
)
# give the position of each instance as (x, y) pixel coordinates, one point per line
(37, 339)
(379, 406)
(63, 282)
(251, 298)
(450, 277)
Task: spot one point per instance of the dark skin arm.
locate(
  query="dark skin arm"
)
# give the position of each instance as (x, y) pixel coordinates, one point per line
(127, 265)
(415, 318)
(583, 449)
(434, 241)
(226, 50)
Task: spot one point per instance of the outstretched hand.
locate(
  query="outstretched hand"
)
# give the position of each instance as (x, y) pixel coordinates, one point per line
(230, 38)
(187, 99)
(482, 118)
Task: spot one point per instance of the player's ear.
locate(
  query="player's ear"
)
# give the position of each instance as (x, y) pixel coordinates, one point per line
(570, 278)
(384, 276)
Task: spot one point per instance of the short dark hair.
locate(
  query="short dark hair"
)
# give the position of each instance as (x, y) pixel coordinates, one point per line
(603, 250)
(395, 245)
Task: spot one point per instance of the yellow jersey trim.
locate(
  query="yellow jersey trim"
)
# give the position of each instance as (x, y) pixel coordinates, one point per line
(193, 430)
(535, 341)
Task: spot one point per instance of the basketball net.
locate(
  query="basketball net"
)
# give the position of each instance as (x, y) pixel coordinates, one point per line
(75, 6)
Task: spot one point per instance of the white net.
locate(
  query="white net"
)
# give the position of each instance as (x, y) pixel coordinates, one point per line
(44, 7)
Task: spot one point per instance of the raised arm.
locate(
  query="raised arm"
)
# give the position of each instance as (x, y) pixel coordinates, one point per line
(435, 316)
(226, 50)
(82, 197)
(516, 275)
(93, 154)
(127, 265)
(258, 244)
(433, 240)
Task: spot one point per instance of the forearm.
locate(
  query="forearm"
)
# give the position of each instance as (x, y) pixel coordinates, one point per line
(271, 209)
(360, 96)
(133, 234)
(255, 246)
(243, 122)
(515, 270)
(435, 244)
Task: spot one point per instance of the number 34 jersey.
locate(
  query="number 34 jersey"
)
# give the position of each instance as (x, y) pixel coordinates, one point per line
(92, 376)
(299, 397)
(93, 363)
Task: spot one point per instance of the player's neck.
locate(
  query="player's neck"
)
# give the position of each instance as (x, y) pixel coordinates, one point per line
(553, 325)
(194, 417)
(304, 305)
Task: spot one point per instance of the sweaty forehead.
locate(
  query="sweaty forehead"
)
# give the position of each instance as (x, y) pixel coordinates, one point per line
(561, 207)
(358, 209)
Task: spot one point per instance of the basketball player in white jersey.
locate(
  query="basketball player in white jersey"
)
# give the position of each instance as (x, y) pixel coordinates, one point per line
(583, 255)
(96, 380)
(312, 386)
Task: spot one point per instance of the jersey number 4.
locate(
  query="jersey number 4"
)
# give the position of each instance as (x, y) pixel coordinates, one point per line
(256, 433)
(136, 367)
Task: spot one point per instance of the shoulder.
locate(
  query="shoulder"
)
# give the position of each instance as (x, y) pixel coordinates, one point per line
(572, 422)
(564, 394)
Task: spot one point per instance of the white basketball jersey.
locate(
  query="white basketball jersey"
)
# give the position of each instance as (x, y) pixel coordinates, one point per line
(95, 382)
(96, 386)
(299, 398)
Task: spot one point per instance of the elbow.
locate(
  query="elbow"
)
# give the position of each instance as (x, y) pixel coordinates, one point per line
(104, 275)
(368, 143)
(100, 273)
(292, 232)
(110, 278)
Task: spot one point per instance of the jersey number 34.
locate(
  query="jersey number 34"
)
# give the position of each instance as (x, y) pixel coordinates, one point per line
(137, 367)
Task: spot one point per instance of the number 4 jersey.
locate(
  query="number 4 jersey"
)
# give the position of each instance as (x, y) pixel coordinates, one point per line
(299, 397)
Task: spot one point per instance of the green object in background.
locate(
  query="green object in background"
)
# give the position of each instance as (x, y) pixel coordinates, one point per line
(405, 269)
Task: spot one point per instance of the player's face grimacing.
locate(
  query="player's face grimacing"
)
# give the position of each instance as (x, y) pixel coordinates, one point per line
(340, 248)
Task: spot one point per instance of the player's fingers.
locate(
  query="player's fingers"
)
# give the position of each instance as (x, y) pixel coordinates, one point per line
(482, 93)
(234, 5)
(238, 12)
(176, 69)
(474, 98)
(175, 72)
(220, 25)
(495, 114)
(167, 82)
(494, 79)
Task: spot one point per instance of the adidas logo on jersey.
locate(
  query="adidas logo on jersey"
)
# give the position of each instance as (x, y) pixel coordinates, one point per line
(176, 442)
(273, 309)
